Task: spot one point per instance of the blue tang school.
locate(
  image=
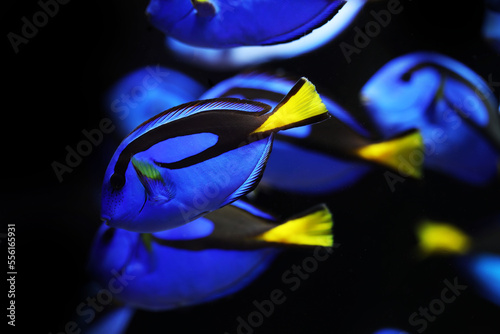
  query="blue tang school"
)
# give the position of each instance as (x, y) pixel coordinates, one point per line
(252, 167)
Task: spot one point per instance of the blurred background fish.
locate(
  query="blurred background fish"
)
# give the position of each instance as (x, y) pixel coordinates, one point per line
(237, 57)
(453, 107)
(209, 258)
(323, 157)
(229, 23)
(147, 91)
(478, 254)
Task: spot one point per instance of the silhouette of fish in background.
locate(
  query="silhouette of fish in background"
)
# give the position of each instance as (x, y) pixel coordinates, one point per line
(198, 157)
(324, 157)
(452, 106)
(228, 23)
(238, 57)
(209, 258)
(478, 255)
(147, 91)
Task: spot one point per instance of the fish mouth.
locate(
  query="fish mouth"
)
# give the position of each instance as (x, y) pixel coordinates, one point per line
(106, 220)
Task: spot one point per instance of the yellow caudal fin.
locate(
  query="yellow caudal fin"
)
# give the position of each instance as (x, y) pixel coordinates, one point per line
(302, 105)
(441, 238)
(313, 228)
(404, 154)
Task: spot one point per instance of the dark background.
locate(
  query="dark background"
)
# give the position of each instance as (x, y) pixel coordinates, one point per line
(55, 87)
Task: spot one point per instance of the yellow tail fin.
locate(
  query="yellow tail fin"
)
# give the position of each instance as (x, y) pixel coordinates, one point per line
(312, 229)
(302, 105)
(403, 154)
(435, 237)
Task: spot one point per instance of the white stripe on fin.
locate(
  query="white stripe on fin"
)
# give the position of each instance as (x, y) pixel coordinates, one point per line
(254, 177)
(191, 108)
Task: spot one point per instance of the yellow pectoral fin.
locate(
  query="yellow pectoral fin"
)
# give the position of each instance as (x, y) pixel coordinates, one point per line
(313, 229)
(404, 154)
(301, 106)
(436, 237)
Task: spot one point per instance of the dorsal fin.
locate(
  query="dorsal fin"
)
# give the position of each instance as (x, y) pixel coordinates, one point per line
(195, 107)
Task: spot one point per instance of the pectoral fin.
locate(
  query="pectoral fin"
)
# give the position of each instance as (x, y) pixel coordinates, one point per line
(157, 188)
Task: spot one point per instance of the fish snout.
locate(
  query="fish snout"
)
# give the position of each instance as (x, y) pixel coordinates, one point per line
(106, 220)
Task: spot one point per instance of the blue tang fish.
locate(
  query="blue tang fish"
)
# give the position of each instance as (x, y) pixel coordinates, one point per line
(478, 255)
(451, 105)
(145, 92)
(211, 257)
(228, 23)
(245, 56)
(327, 156)
(198, 157)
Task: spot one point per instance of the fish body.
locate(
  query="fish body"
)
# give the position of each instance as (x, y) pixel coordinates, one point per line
(238, 57)
(226, 23)
(453, 108)
(211, 257)
(197, 157)
(326, 156)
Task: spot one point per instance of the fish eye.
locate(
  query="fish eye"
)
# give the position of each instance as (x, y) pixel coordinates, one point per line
(406, 76)
(117, 181)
